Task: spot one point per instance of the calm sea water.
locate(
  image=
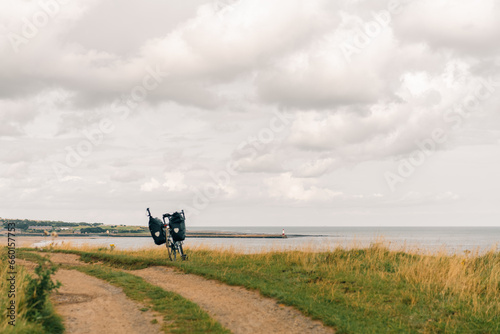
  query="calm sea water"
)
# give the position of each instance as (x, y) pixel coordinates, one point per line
(450, 239)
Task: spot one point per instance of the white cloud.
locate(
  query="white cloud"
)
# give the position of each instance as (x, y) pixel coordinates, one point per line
(151, 185)
(465, 26)
(126, 175)
(265, 162)
(349, 134)
(314, 168)
(174, 181)
(419, 198)
(70, 178)
(285, 186)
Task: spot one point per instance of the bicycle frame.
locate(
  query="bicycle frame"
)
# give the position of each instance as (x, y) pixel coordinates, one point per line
(173, 247)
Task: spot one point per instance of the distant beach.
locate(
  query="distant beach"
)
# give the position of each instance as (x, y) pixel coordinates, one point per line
(254, 239)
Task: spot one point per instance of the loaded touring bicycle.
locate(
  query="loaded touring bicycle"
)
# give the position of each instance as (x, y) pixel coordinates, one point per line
(171, 233)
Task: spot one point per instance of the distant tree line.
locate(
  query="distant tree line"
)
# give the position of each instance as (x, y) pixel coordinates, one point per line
(92, 230)
(132, 231)
(101, 230)
(23, 224)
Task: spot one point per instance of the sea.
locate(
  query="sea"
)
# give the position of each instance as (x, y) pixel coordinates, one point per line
(320, 238)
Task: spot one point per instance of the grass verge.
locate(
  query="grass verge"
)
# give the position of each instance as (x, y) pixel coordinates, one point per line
(371, 290)
(34, 312)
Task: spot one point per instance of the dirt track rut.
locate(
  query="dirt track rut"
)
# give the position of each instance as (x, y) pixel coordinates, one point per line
(238, 309)
(90, 305)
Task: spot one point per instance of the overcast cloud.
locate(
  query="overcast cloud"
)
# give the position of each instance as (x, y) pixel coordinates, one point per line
(250, 112)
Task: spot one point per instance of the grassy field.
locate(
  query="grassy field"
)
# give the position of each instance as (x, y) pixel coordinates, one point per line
(35, 313)
(371, 290)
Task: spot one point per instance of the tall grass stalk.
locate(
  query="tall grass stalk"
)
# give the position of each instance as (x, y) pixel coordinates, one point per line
(34, 312)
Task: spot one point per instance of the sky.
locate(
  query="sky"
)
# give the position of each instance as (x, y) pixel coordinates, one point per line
(251, 112)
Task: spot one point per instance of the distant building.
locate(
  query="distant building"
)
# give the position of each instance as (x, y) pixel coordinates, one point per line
(40, 228)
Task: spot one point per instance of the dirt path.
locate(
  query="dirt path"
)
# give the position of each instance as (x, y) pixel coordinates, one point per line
(90, 305)
(238, 309)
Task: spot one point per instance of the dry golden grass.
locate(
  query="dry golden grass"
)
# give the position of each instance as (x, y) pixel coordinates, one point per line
(462, 274)
(20, 285)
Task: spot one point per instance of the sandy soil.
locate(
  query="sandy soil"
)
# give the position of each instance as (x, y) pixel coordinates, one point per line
(68, 259)
(90, 305)
(238, 309)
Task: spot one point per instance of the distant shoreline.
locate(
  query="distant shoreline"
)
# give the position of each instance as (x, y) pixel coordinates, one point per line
(28, 239)
(189, 234)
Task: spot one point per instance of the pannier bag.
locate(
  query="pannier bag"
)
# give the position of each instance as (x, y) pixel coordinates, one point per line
(177, 227)
(157, 232)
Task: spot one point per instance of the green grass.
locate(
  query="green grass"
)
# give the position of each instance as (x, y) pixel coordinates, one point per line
(30, 256)
(180, 315)
(370, 290)
(35, 313)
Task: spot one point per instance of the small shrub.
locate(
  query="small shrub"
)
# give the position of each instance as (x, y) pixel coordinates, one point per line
(37, 293)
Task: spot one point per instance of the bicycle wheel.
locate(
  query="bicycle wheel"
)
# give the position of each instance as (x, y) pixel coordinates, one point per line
(181, 252)
(171, 251)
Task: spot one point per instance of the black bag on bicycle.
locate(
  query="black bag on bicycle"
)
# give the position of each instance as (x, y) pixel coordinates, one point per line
(157, 230)
(177, 226)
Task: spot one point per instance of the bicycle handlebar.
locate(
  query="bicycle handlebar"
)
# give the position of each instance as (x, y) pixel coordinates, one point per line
(168, 215)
